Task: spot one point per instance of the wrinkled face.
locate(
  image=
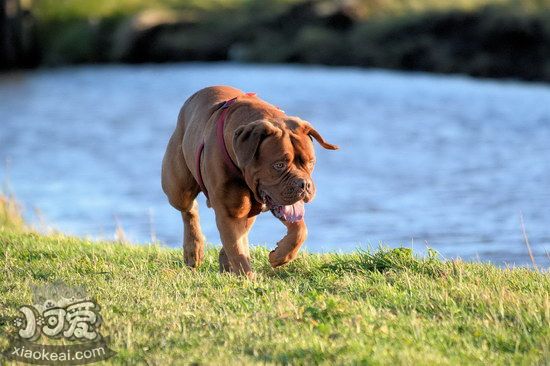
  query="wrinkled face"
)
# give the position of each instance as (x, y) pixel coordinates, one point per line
(284, 165)
(277, 158)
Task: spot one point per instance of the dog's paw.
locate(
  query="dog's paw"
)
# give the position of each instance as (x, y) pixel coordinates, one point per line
(224, 262)
(276, 260)
(193, 259)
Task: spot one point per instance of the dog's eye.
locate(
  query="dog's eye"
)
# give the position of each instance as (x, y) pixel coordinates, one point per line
(280, 165)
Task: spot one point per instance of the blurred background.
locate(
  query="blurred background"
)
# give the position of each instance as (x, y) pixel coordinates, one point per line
(494, 38)
(441, 109)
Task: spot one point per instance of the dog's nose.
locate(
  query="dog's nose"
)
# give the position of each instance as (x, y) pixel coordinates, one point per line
(304, 184)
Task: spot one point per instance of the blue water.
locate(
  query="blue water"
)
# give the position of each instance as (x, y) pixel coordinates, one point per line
(440, 161)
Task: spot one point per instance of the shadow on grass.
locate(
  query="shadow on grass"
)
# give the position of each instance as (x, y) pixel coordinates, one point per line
(384, 260)
(358, 262)
(303, 355)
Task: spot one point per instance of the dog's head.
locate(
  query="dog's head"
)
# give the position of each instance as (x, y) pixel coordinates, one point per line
(277, 159)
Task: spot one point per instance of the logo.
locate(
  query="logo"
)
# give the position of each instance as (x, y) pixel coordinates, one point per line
(62, 327)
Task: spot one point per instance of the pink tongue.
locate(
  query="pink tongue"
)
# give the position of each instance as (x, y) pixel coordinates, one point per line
(292, 213)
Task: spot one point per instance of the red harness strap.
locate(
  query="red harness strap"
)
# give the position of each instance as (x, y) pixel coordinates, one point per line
(221, 141)
(220, 124)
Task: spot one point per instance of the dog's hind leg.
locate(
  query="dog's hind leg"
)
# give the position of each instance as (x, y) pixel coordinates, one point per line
(193, 240)
(181, 189)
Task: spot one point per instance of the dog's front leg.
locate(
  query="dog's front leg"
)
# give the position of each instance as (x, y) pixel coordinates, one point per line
(287, 247)
(234, 236)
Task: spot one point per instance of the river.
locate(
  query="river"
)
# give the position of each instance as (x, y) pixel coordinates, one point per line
(446, 162)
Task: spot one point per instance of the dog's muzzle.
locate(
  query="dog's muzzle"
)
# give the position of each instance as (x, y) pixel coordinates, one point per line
(291, 213)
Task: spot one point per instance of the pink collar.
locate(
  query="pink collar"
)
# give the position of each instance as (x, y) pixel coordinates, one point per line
(220, 124)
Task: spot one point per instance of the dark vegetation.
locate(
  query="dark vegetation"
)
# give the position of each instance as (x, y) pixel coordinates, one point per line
(486, 38)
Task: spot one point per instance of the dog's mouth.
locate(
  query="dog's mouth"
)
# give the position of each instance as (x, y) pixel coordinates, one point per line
(290, 213)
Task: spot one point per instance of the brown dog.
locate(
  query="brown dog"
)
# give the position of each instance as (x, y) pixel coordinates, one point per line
(246, 156)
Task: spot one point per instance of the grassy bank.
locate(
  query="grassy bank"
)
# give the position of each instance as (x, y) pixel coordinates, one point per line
(386, 307)
(86, 9)
(488, 38)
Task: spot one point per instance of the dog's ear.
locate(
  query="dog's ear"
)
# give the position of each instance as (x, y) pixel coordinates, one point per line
(247, 139)
(308, 129)
(317, 136)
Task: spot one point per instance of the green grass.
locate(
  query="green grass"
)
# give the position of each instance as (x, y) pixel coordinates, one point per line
(383, 307)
